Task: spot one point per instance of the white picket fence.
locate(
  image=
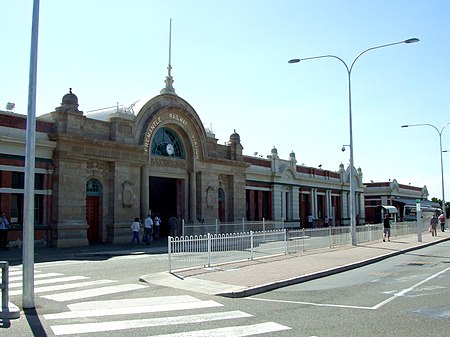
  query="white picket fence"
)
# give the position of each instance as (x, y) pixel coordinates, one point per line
(197, 251)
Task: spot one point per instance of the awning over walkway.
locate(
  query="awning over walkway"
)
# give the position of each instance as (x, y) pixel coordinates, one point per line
(391, 209)
(412, 202)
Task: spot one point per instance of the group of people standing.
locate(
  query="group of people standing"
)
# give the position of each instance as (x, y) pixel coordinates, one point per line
(434, 222)
(433, 225)
(151, 229)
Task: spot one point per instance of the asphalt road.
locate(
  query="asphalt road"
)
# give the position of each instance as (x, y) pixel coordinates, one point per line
(407, 295)
(100, 295)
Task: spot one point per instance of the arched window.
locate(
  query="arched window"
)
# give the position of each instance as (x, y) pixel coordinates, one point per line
(93, 187)
(167, 143)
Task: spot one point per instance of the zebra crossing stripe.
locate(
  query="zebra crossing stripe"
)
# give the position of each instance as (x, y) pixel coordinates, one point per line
(38, 276)
(50, 281)
(69, 329)
(133, 310)
(132, 302)
(19, 272)
(75, 295)
(234, 331)
(63, 287)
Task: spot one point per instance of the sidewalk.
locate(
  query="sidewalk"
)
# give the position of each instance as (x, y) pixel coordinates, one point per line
(101, 251)
(252, 277)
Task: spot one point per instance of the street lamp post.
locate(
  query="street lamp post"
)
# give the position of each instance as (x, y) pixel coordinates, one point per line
(349, 72)
(440, 151)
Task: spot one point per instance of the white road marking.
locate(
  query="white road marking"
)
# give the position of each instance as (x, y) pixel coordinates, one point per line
(310, 303)
(69, 329)
(38, 276)
(61, 263)
(377, 306)
(19, 273)
(75, 295)
(403, 292)
(234, 331)
(63, 287)
(133, 310)
(131, 302)
(53, 280)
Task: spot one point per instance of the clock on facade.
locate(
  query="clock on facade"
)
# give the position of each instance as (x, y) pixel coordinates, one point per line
(169, 149)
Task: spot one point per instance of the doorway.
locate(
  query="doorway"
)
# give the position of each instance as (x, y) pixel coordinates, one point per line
(93, 198)
(165, 199)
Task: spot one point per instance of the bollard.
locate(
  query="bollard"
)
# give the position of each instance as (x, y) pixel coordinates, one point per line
(5, 286)
(8, 310)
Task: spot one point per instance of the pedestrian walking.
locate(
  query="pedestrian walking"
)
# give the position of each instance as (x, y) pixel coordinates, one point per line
(135, 227)
(386, 228)
(310, 220)
(4, 226)
(156, 224)
(148, 225)
(433, 225)
(442, 221)
(173, 225)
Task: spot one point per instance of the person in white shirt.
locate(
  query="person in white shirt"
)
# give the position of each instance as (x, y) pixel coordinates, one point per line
(135, 227)
(148, 224)
(310, 220)
(157, 223)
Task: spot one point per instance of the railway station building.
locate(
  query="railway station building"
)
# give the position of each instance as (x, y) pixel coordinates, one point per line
(96, 171)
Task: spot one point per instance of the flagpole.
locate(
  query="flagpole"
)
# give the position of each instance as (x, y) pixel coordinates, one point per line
(30, 149)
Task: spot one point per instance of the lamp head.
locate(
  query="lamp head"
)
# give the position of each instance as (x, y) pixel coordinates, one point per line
(294, 61)
(405, 126)
(412, 40)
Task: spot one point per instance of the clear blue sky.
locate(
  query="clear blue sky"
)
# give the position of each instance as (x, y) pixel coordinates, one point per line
(229, 61)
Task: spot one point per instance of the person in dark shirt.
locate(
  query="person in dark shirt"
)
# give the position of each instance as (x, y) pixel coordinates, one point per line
(4, 226)
(386, 228)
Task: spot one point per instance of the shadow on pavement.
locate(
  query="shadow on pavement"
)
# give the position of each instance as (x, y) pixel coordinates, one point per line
(5, 323)
(92, 252)
(35, 323)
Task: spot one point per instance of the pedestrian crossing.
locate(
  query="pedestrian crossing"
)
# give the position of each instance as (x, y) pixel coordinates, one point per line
(88, 312)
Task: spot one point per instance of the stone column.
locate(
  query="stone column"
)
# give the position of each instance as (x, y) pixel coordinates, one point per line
(276, 202)
(328, 203)
(314, 202)
(361, 205)
(295, 205)
(69, 226)
(344, 208)
(144, 192)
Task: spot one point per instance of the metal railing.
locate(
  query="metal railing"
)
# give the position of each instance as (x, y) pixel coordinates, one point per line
(196, 251)
(237, 226)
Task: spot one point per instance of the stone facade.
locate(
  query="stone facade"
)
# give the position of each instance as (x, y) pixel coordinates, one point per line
(117, 153)
(99, 170)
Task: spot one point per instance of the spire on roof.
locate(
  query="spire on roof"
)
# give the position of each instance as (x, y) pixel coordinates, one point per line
(169, 89)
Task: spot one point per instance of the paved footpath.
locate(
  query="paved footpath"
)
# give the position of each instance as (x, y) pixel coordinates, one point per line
(252, 277)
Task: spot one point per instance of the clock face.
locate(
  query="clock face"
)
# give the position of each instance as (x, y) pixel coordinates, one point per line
(169, 149)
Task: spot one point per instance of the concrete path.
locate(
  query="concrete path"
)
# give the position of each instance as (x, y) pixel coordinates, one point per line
(252, 277)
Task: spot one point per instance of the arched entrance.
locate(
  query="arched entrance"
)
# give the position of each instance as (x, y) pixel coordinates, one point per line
(93, 199)
(165, 199)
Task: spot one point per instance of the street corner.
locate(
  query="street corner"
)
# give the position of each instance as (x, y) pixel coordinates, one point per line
(190, 283)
